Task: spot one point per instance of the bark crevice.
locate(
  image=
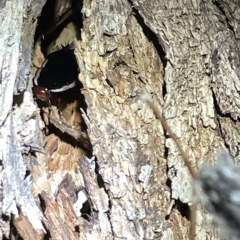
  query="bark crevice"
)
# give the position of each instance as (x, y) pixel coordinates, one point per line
(150, 35)
(221, 9)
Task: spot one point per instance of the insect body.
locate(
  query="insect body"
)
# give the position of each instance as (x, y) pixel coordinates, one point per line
(58, 73)
(42, 93)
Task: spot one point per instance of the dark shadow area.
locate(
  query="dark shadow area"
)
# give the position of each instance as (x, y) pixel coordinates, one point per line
(61, 101)
(164, 89)
(42, 203)
(45, 19)
(183, 208)
(86, 211)
(27, 174)
(50, 25)
(65, 137)
(217, 108)
(99, 176)
(219, 6)
(149, 34)
(18, 99)
(169, 183)
(13, 233)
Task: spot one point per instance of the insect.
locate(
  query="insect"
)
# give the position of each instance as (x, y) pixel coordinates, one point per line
(56, 82)
(58, 73)
(42, 93)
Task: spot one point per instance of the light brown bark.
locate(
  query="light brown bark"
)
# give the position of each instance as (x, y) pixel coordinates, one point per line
(185, 56)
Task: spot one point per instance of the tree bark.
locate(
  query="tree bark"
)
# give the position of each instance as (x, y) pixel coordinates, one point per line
(20, 133)
(133, 184)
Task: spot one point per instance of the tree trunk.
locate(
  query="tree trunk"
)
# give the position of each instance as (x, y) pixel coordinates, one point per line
(131, 183)
(20, 135)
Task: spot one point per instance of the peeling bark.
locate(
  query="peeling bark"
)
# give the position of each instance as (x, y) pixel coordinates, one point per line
(201, 79)
(19, 129)
(122, 178)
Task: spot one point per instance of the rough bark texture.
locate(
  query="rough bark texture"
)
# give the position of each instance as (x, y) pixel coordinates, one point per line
(117, 63)
(133, 184)
(19, 128)
(201, 43)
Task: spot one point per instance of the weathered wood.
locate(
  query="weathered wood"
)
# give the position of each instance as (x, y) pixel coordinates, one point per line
(134, 183)
(117, 63)
(202, 82)
(19, 129)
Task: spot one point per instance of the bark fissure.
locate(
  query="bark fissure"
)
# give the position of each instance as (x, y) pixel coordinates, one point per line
(86, 211)
(218, 109)
(101, 184)
(182, 53)
(219, 6)
(149, 34)
(164, 89)
(183, 209)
